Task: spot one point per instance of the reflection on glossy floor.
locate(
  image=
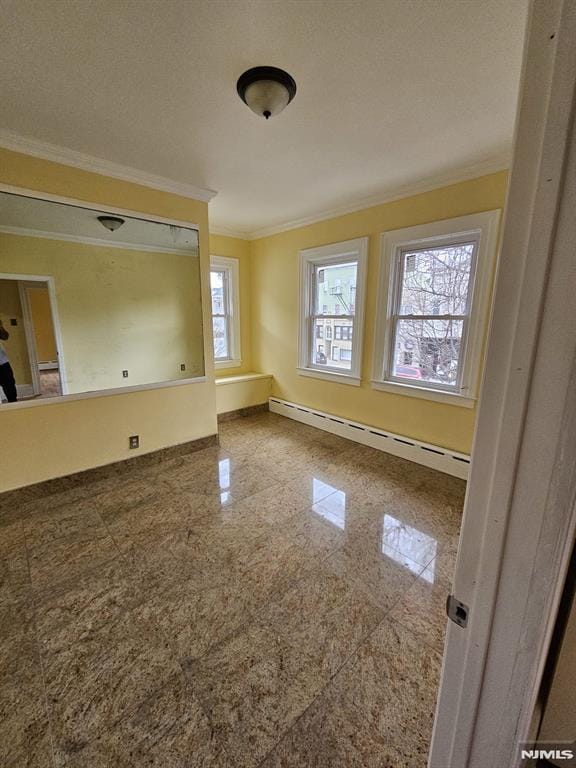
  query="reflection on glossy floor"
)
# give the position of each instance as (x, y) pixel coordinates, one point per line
(277, 601)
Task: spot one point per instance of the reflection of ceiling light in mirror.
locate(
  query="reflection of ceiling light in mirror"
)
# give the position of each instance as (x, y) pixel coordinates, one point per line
(111, 223)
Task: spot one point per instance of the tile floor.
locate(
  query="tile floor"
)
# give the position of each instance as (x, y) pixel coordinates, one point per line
(276, 602)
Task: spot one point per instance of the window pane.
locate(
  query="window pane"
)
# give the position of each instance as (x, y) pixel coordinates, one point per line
(431, 346)
(333, 344)
(217, 280)
(220, 337)
(436, 281)
(335, 289)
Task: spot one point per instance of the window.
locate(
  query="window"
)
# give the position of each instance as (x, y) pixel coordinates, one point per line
(433, 306)
(224, 288)
(339, 270)
(343, 332)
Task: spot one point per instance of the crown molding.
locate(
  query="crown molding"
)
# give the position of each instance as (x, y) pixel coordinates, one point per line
(56, 154)
(500, 163)
(229, 232)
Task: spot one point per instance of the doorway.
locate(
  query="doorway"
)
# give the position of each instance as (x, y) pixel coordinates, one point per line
(28, 313)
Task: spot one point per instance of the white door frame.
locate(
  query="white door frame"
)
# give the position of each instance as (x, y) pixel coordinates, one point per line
(520, 511)
(55, 320)
(30, 338)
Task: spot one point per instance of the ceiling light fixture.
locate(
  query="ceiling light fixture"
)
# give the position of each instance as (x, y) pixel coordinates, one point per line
(111, 222)
(266, 90)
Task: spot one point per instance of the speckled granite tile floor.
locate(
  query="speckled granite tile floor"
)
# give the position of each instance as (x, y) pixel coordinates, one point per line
(276, 601)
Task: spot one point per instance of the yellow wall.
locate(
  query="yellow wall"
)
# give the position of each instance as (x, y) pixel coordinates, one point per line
(118, 309)
(41, 312)
(274, 307)
(16, 346)
(236, 392)
(55, 439)
(221, 245)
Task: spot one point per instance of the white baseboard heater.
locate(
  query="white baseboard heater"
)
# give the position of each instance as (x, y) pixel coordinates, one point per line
(442, 459)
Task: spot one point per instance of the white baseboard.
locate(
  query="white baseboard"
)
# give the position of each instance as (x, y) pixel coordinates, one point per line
(442, 459)
(50, 365)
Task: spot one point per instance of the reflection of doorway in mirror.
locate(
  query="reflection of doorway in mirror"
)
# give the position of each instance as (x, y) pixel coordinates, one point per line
(28, 312)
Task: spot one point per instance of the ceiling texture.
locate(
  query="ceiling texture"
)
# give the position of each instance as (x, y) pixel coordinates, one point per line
(393, 95)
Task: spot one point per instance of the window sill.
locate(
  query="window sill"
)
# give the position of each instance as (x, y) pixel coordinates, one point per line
(339, 378)
(439, 396)
(221, 364)
(238, 379)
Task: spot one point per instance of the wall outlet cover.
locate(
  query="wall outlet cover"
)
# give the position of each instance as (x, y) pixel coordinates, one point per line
(125, 374)
(134, 441)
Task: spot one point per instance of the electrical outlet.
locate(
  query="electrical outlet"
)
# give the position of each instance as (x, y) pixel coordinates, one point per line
(125, 374)
(134, 441)
(182, 366)
(13, 321)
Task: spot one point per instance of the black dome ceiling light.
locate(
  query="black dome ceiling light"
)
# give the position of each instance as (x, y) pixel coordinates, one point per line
(111, 223)
(266, 90)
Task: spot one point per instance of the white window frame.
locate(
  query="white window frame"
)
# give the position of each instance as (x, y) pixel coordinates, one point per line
(480, 228)
(328, 255)
(231, 268)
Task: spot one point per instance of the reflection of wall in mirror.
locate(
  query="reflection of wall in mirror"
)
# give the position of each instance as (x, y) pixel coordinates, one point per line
(16, 347)
(118, 310)
(41, 312)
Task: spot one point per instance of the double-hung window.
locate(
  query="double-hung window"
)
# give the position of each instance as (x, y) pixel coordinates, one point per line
(224, 289)
(332, 288)
(433, 308)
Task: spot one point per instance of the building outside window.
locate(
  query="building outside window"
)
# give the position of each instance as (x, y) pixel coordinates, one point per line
(330, 277)
(433, 303)
(225, 290)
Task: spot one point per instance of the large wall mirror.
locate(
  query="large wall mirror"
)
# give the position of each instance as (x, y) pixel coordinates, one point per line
(93, 301)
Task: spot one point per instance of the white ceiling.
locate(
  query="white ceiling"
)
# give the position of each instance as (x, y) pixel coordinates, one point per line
(391, 93)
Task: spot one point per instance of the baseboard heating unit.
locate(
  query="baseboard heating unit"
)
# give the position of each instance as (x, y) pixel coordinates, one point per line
(442, 459)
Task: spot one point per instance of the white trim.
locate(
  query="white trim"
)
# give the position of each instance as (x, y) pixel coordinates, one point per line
(439, 396)
(338, 378)
(57, 154)
(442, 459)
(520, 517)
(231, 266)
(225, 364)
(48, 365)
(241, 378)
(483, 229)
(224, 231)
(432, 183)
(333, 253)
(30, 335)
(94, 206)
(26, 232)
(63, 399)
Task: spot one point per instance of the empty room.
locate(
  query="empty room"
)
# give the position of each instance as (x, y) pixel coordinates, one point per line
(287, 365)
